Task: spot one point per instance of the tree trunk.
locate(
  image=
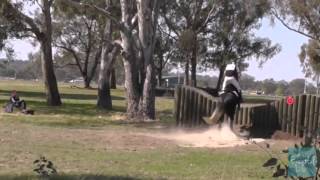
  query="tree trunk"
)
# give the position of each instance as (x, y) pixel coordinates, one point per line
(52, 92)
(87, 84)
(159, 77)
(113, 81)
(132, 89)
(317, 84)
(95, 65)
(129, 55)
(148, 99)
(108, 56)
(160, 68)
(147, 23)
(107, 60)
(221, 73)
(86, 81)
(194, 66)
(104, 96)
(186, 73)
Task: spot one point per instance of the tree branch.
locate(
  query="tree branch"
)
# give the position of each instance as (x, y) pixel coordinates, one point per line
(98, 9)
(50, 2)
(168, 34)
(292, 29)
(74, 54)
(39, 4)
(96, 62)
(26, 19)
(170, 25)
(208, 19)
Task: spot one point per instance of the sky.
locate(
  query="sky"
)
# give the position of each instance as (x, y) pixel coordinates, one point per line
(283, 66)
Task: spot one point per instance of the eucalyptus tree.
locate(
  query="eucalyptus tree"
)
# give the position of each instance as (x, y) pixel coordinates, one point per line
(137, 28)
(232, 38)
(38, 27)
(310, 60)
(188, 22)
(79, 33)
(303, 17)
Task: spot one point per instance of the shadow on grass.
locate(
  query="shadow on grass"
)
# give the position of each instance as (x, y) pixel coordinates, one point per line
(68, 108)
(69, 177)
(42, 95)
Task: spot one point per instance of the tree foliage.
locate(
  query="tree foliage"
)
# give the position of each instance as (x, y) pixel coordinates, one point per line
(301, 16)
(79, 34)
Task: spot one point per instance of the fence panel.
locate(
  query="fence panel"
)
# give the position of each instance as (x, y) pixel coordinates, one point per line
(303, 117)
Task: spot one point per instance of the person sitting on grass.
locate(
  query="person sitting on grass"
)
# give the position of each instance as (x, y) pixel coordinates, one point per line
(16, 102)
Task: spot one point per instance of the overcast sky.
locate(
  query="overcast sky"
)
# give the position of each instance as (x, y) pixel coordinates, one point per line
(284, 66)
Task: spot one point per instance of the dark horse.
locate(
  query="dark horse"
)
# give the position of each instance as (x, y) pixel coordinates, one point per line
(229, 98)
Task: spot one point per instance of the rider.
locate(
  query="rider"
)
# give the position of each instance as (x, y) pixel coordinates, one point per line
(231, 91)
(230, 94)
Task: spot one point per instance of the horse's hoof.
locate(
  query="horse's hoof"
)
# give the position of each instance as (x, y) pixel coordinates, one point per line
(209, 120)
(244, 134)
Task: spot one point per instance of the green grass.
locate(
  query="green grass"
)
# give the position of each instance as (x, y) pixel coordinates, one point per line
(73, 137)
(79, 105)
(254, 99)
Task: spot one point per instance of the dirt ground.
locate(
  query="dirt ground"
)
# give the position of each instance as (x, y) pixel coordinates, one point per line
(108, 149)
(126, 139)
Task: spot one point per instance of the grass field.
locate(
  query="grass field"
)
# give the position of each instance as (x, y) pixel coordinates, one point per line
(89, 144)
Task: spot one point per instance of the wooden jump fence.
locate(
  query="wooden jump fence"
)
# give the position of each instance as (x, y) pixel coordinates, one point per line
(298, 119)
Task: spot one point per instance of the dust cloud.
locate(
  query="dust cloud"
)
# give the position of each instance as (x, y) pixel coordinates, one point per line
(214, 138)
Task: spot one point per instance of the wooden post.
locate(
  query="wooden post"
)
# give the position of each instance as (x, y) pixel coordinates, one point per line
(187, 109)
(193, 108)
(204, 107)
(209, 110)
(284, 116)
(318, 115)
(183, 106)
(280, 113)
(276, 108)
(306, 116)
(316, 112)
(289, 119)
(311, 113)
(177, 99)
(241, 116)
(248, 115)
(243, 120)
(214, 105)
(294, 116)
(199, 109)
(300, 116)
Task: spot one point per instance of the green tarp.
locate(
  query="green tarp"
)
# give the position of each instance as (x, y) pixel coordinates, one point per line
(302, 162)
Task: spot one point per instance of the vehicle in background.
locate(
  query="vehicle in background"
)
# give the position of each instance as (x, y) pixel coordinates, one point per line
(77, 80)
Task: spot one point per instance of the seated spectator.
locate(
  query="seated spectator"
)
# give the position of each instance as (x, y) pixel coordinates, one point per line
(16, 102)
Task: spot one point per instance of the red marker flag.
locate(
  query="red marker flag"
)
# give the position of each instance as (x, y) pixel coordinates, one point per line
(290, 100)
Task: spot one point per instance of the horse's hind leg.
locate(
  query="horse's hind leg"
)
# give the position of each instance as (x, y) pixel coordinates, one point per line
(230, 122)
(216, 115)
